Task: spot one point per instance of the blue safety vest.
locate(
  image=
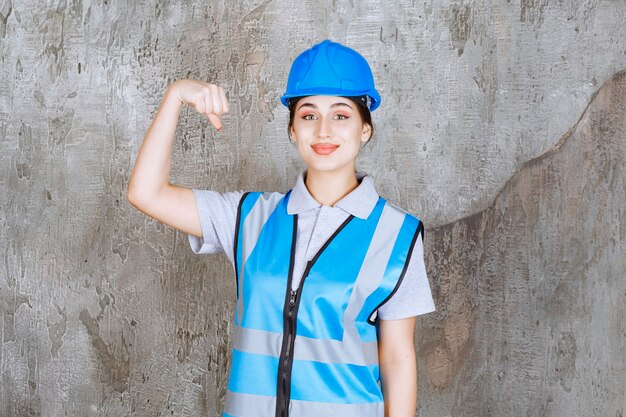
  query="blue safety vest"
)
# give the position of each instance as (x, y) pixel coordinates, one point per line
(312, 352)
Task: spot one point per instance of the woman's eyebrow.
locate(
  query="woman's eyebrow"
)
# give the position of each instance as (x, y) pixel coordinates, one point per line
(341, 104)
(307, 105)
(315, 107)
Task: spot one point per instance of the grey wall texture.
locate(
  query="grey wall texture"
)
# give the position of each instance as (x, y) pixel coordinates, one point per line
(502, 126)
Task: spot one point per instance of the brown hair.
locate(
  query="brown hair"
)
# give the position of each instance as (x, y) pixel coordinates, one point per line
(366, 115)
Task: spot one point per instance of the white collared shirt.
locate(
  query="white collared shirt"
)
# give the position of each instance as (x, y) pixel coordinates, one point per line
(316, 223)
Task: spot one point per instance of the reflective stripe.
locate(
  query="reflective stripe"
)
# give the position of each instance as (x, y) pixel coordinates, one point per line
(247, 405)
(396, 267)
(257, 341)
(372, 269)
(315, 409)
(319, 350)
(336, 351)
(252, 226)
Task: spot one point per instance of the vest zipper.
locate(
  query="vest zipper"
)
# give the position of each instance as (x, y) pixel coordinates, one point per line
(291, 312)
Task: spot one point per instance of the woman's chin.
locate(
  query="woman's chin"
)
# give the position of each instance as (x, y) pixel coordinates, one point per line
(325, 166)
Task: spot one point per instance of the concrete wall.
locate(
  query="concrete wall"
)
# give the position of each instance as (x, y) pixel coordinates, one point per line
(502, 127)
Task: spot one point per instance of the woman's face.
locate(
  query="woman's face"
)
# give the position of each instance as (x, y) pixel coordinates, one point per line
(328, 132)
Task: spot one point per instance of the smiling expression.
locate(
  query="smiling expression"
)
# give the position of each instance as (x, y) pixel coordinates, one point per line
(328, 131)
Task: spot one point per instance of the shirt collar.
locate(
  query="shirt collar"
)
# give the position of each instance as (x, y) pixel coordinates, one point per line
(359, 202)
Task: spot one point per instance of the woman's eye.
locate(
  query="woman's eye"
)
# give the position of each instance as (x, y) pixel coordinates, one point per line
(308, 117)
(341, 117)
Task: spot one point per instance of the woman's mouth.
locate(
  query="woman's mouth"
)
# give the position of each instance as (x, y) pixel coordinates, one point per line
(324, 148)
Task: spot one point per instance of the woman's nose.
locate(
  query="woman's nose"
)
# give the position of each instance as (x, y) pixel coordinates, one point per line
(324, 128)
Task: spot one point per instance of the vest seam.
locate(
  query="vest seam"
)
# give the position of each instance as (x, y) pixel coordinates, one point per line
(420, 227)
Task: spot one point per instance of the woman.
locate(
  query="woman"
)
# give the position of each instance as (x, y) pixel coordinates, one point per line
(323, 326)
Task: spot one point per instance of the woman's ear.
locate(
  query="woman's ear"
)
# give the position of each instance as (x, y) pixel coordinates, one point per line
(291, 131)
(366, 134)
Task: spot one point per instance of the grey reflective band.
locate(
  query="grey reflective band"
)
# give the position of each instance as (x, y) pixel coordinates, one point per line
(335, 351)
(248, 405)
(372, 269)
(417, 233)
(252, 226)
(306, 348)
(257, 341)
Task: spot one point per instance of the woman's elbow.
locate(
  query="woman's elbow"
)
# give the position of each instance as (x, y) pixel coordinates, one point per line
(136, 198)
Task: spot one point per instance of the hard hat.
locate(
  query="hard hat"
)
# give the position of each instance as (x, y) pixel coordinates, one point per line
(331, 69)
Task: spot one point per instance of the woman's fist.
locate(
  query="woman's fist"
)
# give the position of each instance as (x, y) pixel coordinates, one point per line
(205, 98)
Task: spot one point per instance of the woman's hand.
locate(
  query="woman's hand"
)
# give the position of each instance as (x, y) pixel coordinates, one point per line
(205, 98)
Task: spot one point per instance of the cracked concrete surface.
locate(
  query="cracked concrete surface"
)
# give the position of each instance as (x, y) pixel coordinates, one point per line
(532, 291)
(501, 127)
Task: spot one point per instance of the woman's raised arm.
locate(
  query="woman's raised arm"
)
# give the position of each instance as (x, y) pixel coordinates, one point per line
(149, 189)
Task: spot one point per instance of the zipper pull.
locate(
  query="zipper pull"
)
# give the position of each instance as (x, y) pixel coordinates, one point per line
(292, 298)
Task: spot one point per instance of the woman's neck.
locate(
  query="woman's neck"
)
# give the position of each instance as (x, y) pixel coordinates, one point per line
(327, 188)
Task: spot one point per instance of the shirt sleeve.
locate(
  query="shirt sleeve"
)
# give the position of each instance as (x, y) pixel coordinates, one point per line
(413, 296)
(218, 215)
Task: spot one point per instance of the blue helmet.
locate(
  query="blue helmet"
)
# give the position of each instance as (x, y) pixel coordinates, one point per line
(331, 69)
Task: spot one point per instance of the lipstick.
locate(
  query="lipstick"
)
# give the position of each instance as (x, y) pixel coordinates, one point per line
(324, 148)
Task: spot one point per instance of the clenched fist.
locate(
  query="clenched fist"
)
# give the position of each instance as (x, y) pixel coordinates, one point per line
(205, 98)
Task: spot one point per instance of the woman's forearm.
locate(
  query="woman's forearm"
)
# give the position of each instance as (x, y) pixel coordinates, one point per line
(399, 383)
